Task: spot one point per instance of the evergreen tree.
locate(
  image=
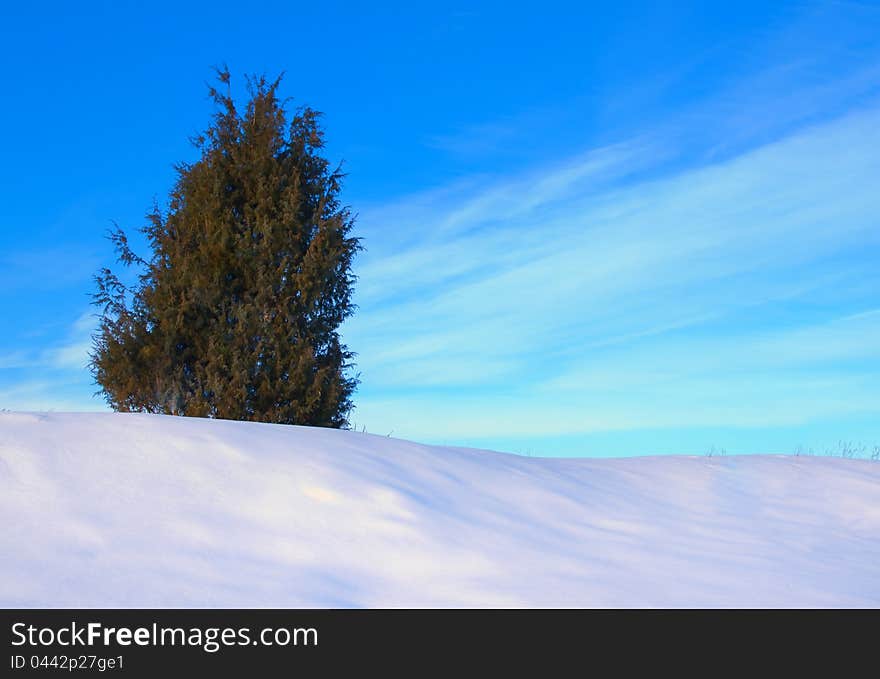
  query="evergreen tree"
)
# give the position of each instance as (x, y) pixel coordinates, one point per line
(236, 313)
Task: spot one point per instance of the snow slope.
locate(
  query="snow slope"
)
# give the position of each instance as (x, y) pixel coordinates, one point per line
(141, 510)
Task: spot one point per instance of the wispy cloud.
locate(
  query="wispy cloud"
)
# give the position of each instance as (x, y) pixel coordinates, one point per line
(523, 289)
(53, 377)
(74, 355)
(74, 352)
(54, 392)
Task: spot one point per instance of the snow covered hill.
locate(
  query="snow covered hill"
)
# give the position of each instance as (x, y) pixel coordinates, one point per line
(140, 510)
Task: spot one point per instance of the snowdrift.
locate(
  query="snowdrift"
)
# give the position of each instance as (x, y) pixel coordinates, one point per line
(113, 510)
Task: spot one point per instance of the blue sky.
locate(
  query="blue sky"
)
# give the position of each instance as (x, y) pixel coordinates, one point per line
(590, 228)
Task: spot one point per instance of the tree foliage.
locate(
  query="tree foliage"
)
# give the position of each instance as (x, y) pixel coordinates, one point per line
(236, 313)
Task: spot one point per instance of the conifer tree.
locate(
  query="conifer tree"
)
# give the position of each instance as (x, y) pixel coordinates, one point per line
(236, 313)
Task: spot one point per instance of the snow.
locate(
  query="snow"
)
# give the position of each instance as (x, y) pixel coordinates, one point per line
(130, 510)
